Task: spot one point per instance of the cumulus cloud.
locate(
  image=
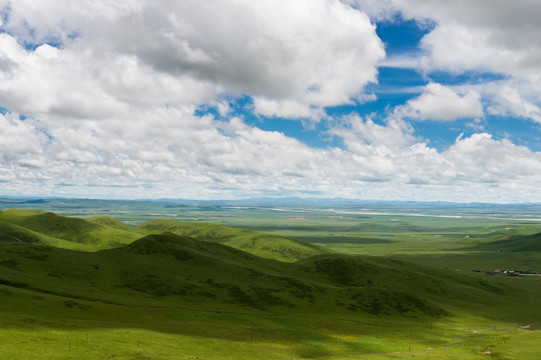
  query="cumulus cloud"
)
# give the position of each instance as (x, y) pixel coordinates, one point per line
(391, 154)
(508, 102)
(376, 9)
(494, 37)
(111, 88)
(291, 109)
(502, 161)
(291, 57)
(191, 157)
(48, 81)
(20, 140)
(187, 155)
(442, 103)
(361, 134)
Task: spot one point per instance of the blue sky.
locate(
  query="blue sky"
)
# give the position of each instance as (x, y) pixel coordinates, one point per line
(361, 99)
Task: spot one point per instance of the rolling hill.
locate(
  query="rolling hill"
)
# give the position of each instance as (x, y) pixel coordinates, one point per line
(112, 223)
(217, 266)
(528, 243)
(14, 233)
(103, 232)
(260, 244)
(167, 295)
(68, 232)
(179, 271)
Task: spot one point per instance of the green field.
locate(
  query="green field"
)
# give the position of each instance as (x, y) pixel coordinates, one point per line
(167, 280)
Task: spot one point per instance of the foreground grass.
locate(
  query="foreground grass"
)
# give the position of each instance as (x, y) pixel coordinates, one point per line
(78, 342)
(52, 327)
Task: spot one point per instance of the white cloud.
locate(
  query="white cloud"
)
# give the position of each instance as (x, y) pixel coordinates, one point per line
(291, 109)
(497, 36)
(485, 36)
(501, 37)
(480, 158)
(498, 170)
(111, 107)
(175, 154)
(477, 125)
(20, 139)
(361, 135)
(509, 102)
(311, 53)
(50, 81)
(442, 103)
(376, 9)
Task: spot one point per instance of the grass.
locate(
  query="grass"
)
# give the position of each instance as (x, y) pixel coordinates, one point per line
(62, 231)
(103, 232)
(155, 299)
(260, 244)
(171, 270)
(168, 296)
(113, 331)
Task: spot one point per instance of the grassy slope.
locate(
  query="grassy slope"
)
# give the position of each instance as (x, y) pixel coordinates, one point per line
(14, 233)
(176, 270)
(168, 296)
(57, 230)
(44, 326)
(484, 254)
(528, 243)
(367, 305)
(113, 223)
(260, 244)
(96, 233)
(384, 281)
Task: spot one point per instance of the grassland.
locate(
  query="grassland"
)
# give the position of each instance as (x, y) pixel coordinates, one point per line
(390, 283)
(104, 232)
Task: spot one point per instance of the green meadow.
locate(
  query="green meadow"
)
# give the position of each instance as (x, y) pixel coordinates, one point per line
(88, 279)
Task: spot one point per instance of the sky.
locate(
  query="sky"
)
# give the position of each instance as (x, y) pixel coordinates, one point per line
(418, 100)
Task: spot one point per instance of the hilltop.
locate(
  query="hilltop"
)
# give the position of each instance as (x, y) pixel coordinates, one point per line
(257, 243)
(62, 231)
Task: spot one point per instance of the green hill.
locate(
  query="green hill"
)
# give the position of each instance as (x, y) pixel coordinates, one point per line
(167, 296)
(14, 233)
(179, 271)
(100, 289)
(260, 244)
(72, 232)
(18, 234)
(103, 232)
(112, 223)
(528, 243)
(164, 269)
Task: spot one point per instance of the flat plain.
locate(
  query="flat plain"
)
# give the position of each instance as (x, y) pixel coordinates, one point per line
(295, 279)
